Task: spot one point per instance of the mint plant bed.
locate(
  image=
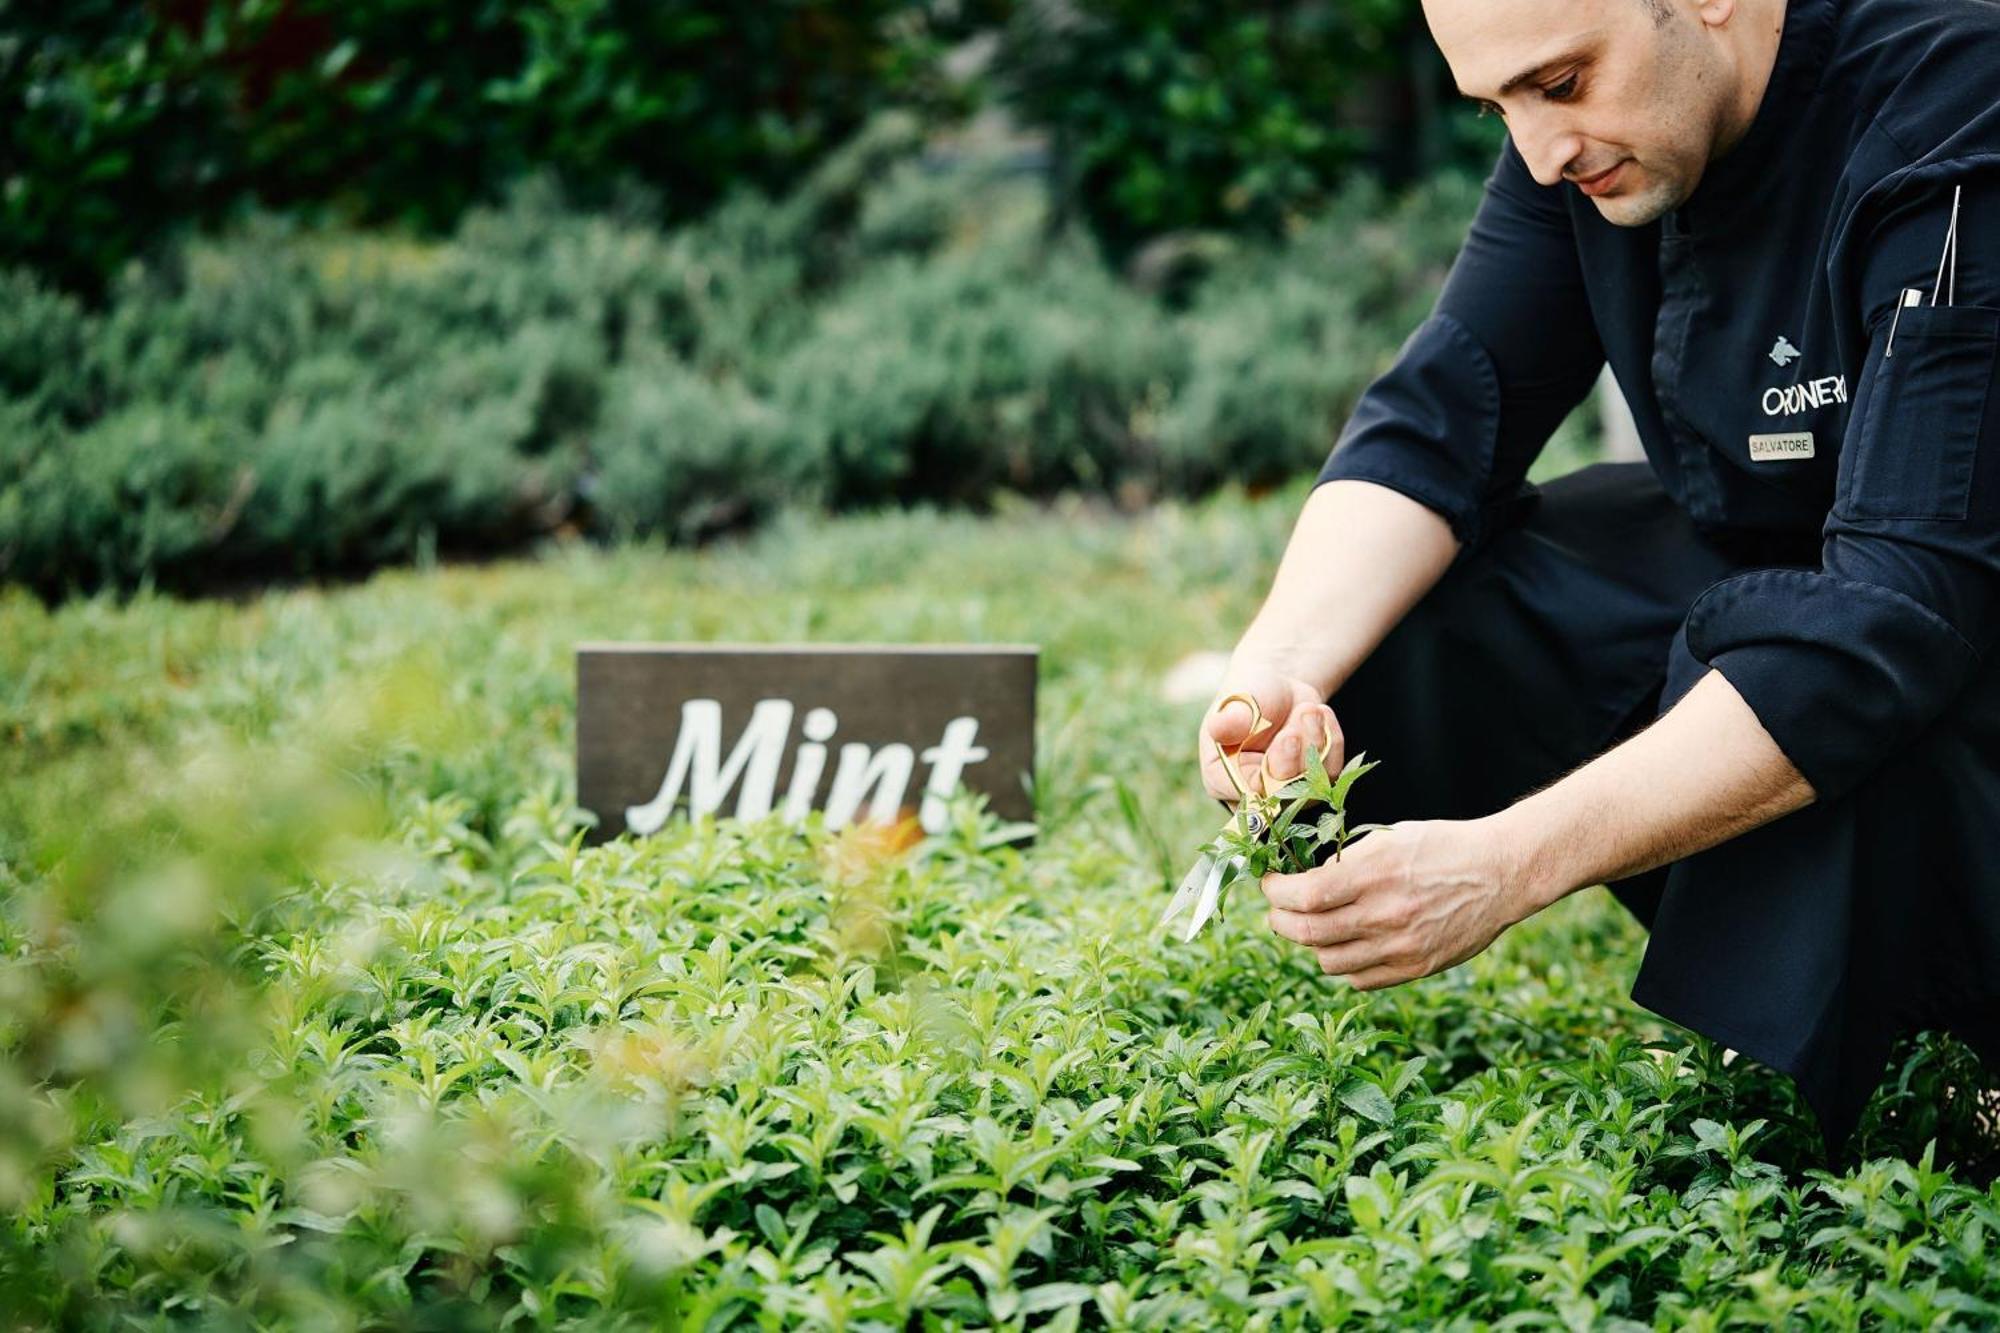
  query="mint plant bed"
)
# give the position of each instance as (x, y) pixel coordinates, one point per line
(319, 1016)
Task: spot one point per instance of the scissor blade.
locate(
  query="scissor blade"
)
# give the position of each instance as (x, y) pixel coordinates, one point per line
(1190, 888)
(1211, 895)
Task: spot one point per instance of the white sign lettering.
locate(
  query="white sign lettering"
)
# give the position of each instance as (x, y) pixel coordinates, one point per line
(881, 777)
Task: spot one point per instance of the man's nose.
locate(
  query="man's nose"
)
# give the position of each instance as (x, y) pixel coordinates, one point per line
(1547, 147)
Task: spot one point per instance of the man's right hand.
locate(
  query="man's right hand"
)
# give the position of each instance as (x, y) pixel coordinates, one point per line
(1295, 716)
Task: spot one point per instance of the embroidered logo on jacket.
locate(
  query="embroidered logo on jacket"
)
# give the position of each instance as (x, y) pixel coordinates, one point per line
(1826, 391)
(1782, 352)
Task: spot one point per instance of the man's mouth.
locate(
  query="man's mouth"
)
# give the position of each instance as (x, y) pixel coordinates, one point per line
(1603, 180)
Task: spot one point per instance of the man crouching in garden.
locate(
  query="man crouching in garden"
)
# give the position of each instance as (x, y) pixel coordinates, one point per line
(1778, 221)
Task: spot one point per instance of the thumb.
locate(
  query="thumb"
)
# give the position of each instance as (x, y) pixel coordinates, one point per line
(1231, 723)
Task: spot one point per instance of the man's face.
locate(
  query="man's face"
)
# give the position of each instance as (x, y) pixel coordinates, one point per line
(1605, 93)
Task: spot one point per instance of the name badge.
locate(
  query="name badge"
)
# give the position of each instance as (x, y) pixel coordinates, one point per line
(1781, 448)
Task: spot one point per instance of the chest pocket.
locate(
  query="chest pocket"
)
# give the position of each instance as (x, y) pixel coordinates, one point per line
(1918, 415)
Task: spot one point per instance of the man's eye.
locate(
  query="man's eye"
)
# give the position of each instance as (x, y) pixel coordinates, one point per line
(1563, 91)
(1490, 109)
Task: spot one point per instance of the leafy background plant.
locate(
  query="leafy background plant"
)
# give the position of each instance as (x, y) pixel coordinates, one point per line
(124, 124)
(128, 122)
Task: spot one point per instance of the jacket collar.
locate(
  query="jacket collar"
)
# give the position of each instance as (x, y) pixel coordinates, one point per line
(1785, 112)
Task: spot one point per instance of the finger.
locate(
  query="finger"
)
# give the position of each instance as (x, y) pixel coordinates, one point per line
(1283, 761)
(1318, 928)
(1320, 889)
(1249, 763)
(1378, 978)
(1310, 727)
(1223, 731)
(1356, 957)
(1230, 723)
(1319, 730)
(1334, 739)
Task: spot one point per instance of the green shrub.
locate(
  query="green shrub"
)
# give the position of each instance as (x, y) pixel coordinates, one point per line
(1241, 117)
(213, 326)
(891, 331)
(477, 451)
(120, 123)
(1001, 366)
(679, 455)
(1283, 340)
(45, 339)
(1276, 369)
(145, 492)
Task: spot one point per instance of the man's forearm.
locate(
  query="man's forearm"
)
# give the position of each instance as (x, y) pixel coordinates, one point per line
(1360, 556)
(1703, 773)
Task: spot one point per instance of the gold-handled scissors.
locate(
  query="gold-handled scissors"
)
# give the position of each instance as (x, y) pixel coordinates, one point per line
(1212, 871)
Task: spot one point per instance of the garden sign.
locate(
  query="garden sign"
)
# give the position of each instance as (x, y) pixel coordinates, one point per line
(874, 731)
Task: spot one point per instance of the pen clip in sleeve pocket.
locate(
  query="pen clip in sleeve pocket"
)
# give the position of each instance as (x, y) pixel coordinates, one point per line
(1913, 439)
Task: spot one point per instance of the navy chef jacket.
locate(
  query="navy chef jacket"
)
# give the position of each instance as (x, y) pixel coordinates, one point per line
(1750, 333)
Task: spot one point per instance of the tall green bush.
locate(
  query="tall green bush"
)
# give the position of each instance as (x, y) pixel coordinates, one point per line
(478, 450)
(119, 122)
(1240, 117)
(44, 337)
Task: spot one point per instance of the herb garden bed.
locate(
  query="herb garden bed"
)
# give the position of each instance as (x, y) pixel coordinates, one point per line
(318, 1015)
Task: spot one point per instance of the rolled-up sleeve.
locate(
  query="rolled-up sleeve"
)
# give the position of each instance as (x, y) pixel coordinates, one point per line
(1508, 350)
(1848, 662)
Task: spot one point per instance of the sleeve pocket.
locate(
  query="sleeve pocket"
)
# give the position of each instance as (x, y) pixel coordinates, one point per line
(1918, 416)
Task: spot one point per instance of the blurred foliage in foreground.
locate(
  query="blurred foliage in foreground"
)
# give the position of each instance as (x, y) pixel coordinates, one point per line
(300, 403)
(316, 1017)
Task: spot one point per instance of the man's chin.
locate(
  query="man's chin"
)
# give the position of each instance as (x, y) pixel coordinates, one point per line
(1633, 209)
(1637, 207)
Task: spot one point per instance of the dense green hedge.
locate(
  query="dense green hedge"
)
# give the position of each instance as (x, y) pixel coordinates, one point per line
(121, 122)
(118, 120)
(301, 403)
(1169, 114)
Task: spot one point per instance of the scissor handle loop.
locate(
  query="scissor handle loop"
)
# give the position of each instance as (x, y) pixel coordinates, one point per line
(1257, 724)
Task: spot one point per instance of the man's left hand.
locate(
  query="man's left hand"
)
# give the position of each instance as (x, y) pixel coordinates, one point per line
(1403, 902)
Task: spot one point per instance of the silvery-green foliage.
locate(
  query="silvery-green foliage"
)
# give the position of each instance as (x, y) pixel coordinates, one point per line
(679, 453)
(44, 338)
(138, 490)
(1003, 365)
(906, 324)
(1282, 339)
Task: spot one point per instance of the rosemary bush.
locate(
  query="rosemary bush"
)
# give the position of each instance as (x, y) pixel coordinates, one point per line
(302, 403)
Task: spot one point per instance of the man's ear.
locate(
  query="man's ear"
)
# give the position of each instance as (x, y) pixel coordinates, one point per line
(1716, 13)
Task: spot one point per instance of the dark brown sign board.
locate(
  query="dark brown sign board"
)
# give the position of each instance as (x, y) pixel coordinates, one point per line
(873, 732)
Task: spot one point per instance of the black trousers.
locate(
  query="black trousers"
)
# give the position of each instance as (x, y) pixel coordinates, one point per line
(1808, 944)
